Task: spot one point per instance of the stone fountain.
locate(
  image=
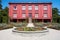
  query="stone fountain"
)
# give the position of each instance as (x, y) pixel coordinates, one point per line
(30, 24)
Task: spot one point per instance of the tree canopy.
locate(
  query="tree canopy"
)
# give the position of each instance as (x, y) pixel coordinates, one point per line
(55, 15)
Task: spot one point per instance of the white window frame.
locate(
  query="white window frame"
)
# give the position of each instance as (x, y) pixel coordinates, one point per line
(29, 7)
(15, 7)
(36, 15)
(23, 7)
(45, 15)
(36, 7)
(45, 7)
(14, 15)
(23, 15)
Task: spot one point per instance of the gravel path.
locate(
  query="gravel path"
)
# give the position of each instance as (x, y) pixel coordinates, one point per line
(9, 35)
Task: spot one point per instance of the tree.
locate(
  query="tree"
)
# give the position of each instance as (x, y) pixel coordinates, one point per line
(55, 14)
(0, 12)
(5, 15)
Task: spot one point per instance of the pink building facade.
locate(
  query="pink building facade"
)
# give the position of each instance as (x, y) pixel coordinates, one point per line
(42, 12)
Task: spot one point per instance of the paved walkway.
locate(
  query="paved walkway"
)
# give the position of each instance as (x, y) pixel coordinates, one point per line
(9, 35)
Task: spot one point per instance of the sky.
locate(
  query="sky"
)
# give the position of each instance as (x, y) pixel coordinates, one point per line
(55, 3)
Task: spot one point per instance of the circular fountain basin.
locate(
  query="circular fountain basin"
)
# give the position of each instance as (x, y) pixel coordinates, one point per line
(39, 31)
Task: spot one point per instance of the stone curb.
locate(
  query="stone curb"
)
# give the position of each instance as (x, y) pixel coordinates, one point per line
(42, 31)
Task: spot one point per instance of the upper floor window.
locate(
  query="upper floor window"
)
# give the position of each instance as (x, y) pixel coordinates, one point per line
(23, 7)
(45, 15)
(45, 8)
(36, 11)
(36, 15)
(30, 14)
(23, 11)
(30, 11)
(23, 15)
(36, 7)
(29, 7)
(15, 8)
(14, 15)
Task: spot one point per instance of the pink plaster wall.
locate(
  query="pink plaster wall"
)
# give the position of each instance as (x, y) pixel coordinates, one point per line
(40, 11)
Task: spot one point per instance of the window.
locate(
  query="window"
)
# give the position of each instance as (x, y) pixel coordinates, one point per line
(29, 7)
(30, 11)
(30, 14)
(45, 7)
(45, 15)
(36, 11)
(14, 15)
(23, 7)
(23, 15)
(15, 8)
(36, 15)
(36, 7)
(23, 11)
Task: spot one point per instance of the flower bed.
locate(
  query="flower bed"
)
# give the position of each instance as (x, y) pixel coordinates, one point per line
(30, 28)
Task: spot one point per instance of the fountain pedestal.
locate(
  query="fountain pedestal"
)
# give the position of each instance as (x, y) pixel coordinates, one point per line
(30, 24)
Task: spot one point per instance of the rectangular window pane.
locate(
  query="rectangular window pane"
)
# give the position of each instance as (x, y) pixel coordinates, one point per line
(45, 8)
(30, 14)
(36, 15)
(45, 15)
(14, 15)
(36, 7)
(29, 7)
(23, 7)
(36, 11)
(23, 11)
(23, 15)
